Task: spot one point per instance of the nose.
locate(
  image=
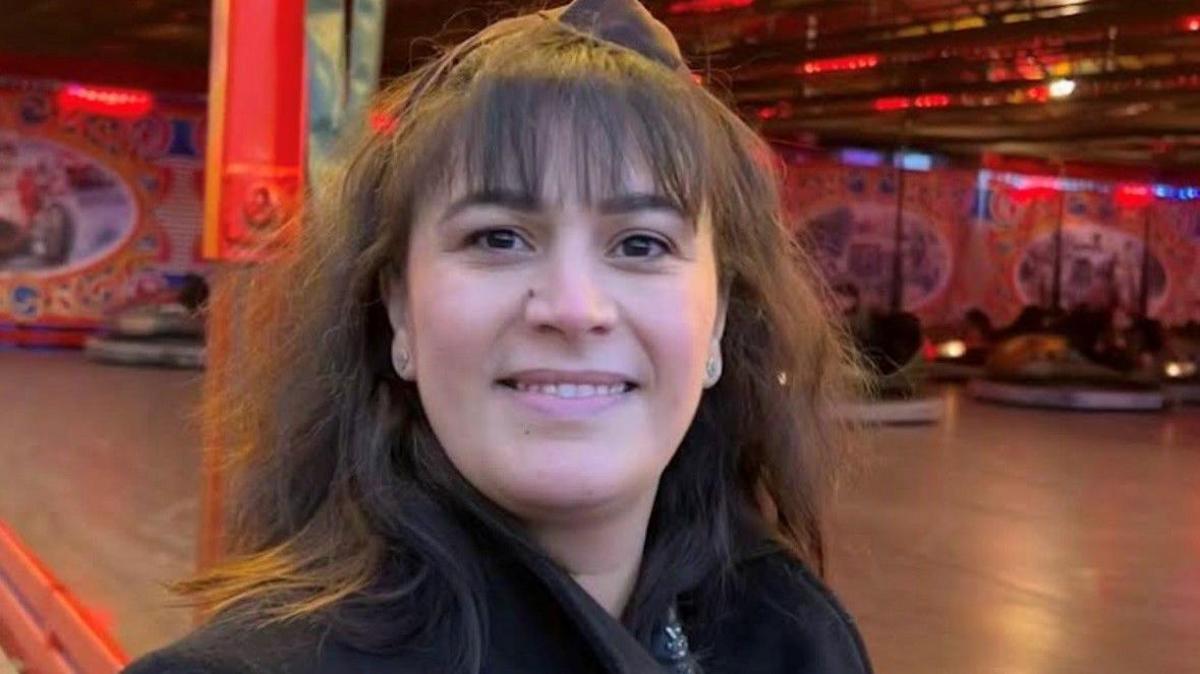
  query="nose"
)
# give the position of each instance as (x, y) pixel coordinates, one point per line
(571, 298)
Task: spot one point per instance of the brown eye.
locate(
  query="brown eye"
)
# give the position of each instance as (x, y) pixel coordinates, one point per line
(642, 246)
(497, 239)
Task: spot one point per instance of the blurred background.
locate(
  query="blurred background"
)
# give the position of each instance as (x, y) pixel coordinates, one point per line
(1004, 196)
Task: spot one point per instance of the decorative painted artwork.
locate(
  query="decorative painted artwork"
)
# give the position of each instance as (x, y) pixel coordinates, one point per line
(979, 239)
(847, 216)
(95, 211)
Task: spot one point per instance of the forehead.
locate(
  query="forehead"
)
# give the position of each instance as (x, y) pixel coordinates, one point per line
(575, 141)
(561, 181)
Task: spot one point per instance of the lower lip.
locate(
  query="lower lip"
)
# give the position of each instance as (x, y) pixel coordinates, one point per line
(555, 406)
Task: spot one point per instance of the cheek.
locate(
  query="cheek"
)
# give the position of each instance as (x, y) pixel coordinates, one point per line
(454, 320)
(676, 328)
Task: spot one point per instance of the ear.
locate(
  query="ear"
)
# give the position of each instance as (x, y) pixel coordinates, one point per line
(391, 293)
(722, 313)
(714, 363)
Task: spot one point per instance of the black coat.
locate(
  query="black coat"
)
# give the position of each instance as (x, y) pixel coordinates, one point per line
(780, 620)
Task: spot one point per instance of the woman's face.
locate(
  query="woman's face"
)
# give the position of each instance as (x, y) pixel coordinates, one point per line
(558, 346)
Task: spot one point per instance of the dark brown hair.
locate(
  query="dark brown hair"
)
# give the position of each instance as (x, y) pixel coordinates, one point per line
(337, 466)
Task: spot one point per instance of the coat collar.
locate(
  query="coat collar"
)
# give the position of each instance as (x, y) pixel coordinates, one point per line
(610, 643)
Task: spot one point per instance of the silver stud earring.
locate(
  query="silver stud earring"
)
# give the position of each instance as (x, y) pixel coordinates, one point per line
(712, 371)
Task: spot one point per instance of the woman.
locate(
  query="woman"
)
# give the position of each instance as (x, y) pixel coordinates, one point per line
(544, 389)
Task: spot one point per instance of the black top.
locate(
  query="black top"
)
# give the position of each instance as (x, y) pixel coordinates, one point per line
(779, 619)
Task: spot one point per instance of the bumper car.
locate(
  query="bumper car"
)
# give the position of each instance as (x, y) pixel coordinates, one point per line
(1181, 365)
(167, 331)
(959, 352)
(890, 345)
(1043, 370)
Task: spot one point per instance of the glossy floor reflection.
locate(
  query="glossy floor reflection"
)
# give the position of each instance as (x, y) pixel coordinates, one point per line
(99, 474)
(1021, 541)
(1001, 540)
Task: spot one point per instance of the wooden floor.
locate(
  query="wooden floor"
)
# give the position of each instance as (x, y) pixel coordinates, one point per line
(999, 541)
(99, 475)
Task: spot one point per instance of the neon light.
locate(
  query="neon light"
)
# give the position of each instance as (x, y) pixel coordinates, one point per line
(706, 6)
(839, 64)
(1192, 23)
(915, 161)
(858, 157)
(110, 102)
(892, 103)
(925, 101)
(1027, 187)
(932, 101)
(1061, 88)
(1133, 195)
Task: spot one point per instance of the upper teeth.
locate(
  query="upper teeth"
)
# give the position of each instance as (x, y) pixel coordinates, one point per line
(572, 390)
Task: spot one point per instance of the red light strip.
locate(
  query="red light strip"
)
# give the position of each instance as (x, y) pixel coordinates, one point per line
(1039, 93)
(124, 103)
(1133, 195)
(932, 101)
(839, 64)
(706, 6)
(892, 103)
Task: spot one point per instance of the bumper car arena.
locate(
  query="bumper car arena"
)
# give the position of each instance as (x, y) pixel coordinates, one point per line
(1003, 196)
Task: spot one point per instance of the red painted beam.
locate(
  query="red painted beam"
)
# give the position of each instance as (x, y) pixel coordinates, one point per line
(43, 624)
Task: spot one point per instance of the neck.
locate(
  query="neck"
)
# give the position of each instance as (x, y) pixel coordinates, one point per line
(602, 553)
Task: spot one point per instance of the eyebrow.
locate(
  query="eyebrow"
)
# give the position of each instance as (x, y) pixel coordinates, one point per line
(511, 199)
(629, 203)
(515, 200)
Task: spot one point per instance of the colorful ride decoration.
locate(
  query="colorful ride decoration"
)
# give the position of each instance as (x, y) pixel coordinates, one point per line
(847, 216)
(1102, 247)
(97, 208)
(256, 114)
(983, 239)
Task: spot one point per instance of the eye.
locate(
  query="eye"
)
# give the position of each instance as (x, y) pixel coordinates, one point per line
(498, 239)
(642, 246)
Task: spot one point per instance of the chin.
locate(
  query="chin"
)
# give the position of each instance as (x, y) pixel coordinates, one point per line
(566, 490)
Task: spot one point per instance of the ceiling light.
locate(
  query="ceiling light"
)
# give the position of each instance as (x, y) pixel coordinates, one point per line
(891, 103)
(111, 102)
(1062, 88)
(706, 6)
(839, 64)
(932, 101)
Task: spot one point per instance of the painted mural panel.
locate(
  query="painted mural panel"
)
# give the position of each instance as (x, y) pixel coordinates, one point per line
(1102, 248)
(95, 211)
(1176, 241)
(987, 240)
(59, 208)
(847, 215)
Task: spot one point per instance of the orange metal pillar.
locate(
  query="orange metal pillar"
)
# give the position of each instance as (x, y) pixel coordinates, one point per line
(253, 177)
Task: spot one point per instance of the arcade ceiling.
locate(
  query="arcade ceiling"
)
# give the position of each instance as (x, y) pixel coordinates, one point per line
(953, 76)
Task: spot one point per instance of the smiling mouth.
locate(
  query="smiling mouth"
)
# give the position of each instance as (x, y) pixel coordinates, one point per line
(569, 390)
